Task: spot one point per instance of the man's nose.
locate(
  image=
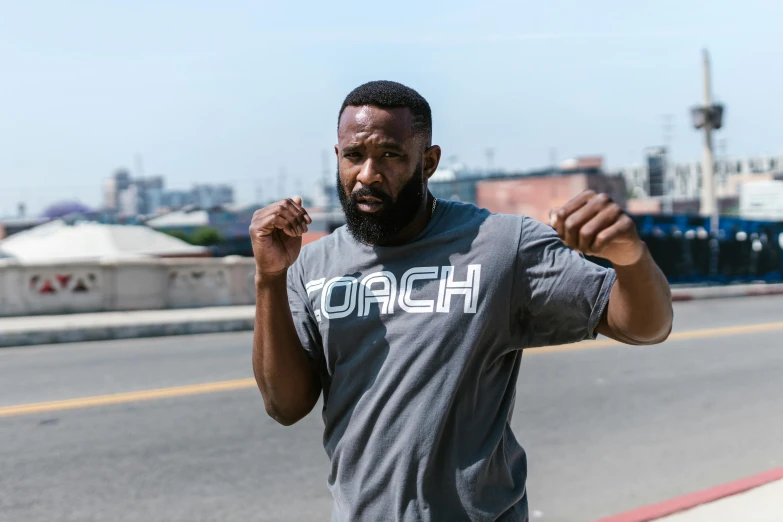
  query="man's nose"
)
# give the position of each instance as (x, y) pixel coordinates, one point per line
(369, 174)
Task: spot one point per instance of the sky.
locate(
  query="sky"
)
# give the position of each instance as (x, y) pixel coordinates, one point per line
(247, 92)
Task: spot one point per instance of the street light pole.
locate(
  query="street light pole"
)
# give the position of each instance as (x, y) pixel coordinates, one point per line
(709, 202)
(709, 117)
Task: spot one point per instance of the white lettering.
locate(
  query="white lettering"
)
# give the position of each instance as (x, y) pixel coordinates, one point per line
(349, 303)
(381, 288)
(314, 286)
(384, 296)
(450, 288)
(407, 303)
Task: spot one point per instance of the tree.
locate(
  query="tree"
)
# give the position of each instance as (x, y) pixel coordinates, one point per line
(206, 236)
(65, 208)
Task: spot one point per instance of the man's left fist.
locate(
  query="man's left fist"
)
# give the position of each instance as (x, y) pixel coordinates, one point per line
(595, 225)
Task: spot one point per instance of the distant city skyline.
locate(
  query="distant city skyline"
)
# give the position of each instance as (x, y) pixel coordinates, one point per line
(238, 93)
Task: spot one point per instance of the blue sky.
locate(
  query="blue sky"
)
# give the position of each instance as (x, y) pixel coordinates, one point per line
(242, 91)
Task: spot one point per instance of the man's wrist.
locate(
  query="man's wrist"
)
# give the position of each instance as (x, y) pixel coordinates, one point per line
(266, 279)
(641, 256)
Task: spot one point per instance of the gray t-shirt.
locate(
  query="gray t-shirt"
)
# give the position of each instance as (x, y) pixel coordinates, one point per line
(419, 348)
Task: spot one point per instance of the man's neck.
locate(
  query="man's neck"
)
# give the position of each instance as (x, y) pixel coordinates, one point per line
(416, 226)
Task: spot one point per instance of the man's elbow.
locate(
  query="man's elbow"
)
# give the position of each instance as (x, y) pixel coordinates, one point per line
(656, 336)
(285, 419)
(654, 339)
(291, 413)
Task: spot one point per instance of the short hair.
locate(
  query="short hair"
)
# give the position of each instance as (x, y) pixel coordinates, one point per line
(388, 94)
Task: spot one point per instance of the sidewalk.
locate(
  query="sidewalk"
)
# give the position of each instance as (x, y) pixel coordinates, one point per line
(50, 329)
(753, 499)
(762, 504)
(103, 326)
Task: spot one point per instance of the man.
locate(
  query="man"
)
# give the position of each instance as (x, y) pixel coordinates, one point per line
(412, 318)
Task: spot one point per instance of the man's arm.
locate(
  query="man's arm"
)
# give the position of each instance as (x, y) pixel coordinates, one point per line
(286, 376)
(640, 306)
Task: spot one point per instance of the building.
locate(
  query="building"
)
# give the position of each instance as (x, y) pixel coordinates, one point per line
(762, 200)
(683, 180)
(129, 201)
(149, 194)
(127, 196)
(209, 196)
(463, 184)
(113, 187)
(536, 196)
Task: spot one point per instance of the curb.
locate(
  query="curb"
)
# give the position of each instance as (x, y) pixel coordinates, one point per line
(224, 319)
(719, 292)
(65, 334)
(690, 501)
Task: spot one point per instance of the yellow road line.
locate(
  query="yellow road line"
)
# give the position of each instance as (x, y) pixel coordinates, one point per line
(676, 336)
(120, 398)
(211, 387)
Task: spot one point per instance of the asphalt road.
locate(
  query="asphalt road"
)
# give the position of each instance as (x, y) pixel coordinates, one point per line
(606, 428)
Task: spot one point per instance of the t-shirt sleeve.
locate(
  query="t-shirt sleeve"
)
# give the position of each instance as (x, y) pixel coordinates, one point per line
(304, 320)
(560, 295)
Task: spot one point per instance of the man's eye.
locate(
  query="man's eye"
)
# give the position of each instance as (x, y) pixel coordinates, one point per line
(351, 154)
(390, 155)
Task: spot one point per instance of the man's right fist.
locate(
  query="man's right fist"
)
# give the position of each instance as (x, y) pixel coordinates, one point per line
(276, 235)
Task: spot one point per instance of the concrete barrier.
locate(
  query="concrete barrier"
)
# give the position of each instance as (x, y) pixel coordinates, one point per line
(124, 284)
(108, 325)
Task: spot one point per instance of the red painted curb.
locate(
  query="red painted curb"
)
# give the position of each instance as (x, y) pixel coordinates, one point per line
(689, 295)
(761, 291)
(675, 505)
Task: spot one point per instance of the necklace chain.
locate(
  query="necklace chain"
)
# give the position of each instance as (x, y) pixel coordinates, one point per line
(434, 204)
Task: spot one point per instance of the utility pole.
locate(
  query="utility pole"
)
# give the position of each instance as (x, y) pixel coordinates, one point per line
(709, 201)
(709, 117)
(281, 183)
(139, 164)
(324, 167)
(490, 152)
(322, 194)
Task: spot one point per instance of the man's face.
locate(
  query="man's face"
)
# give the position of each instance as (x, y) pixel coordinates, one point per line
(381, 173)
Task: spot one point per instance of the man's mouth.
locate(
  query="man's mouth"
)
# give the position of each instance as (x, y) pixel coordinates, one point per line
(369, 204)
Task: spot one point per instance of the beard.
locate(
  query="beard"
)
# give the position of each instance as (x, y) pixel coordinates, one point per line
(396, 214)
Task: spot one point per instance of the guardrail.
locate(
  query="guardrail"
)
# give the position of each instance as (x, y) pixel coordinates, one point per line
(124, 284)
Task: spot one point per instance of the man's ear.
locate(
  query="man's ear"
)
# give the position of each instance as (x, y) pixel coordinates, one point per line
(431, 160)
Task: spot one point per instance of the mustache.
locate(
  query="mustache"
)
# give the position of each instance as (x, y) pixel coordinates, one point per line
(371, 192)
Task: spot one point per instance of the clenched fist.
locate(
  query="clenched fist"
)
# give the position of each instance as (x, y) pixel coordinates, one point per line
(276, 235)
(595, 225)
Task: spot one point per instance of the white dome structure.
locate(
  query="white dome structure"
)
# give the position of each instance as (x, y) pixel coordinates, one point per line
(58, 241)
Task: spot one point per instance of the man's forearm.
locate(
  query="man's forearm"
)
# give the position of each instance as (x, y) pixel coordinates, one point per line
(286, 376)
(640, 305)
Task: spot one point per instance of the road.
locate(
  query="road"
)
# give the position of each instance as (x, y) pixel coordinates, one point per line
(607, 428)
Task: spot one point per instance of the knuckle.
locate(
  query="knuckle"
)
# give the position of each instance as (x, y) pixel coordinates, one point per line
(603, 198)
(589, 193)
(586, 233)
